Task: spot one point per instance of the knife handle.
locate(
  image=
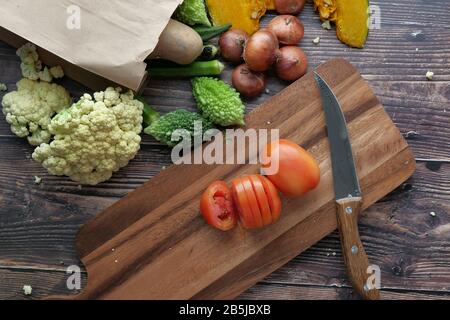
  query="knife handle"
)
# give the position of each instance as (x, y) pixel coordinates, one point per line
(355, 256)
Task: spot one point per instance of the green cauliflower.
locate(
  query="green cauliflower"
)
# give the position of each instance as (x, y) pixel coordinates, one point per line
(30, 108)
(192, 12)
(218, 101)
(94, 137)
(162, 128)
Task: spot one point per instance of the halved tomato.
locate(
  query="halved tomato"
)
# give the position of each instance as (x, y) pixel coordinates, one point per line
(217, 206)
(296, 173)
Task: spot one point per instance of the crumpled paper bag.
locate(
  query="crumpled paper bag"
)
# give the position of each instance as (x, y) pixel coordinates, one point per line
(106, 38)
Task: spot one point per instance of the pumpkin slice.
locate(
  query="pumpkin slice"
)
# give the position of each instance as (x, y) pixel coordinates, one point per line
(352, 17)
(242, 14)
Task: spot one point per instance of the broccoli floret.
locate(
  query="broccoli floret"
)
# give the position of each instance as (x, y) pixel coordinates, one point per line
(218, 101)
(192, 12)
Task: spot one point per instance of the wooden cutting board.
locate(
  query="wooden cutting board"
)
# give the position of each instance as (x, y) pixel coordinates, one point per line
(153, 244)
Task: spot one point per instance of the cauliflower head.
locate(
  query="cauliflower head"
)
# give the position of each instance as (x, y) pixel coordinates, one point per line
(30, 108)
(94, 137)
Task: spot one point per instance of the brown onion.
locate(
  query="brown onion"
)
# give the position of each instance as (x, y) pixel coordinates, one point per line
(289, 6)
(247, 82)
(232, 45)
(261, 50)
(292, 64)
(288, 29)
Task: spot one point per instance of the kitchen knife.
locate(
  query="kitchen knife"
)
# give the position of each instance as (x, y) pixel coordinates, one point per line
(347, 193)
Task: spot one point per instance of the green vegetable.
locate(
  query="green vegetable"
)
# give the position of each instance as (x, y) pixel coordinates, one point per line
(94, 137)
(195, 69)
(30, 108)
(3, 87)
(207, 33)
(218, 102)
(150, 115)
(192, 12)
(210, 52)
(163, 128)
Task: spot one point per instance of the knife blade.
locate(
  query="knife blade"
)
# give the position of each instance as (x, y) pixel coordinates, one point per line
(348, 193)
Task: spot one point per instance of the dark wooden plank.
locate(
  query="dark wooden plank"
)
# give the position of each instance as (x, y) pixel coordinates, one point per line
(265, 291)
(33, 237)
(42, 281)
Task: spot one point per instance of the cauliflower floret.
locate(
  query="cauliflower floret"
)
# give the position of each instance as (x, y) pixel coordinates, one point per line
(57, 72)
(29, 109)
(32, 67)
(94, 138)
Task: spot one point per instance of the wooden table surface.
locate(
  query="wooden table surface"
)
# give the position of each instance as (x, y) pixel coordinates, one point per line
(407, 233)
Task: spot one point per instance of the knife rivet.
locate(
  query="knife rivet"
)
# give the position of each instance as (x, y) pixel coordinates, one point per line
(354, 249)
(349, 210)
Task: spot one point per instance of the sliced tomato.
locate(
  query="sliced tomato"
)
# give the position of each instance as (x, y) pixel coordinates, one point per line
(273, 198)
(242, 204)
(263, 202)
(257, 201)
(217, 206)
(253, 201)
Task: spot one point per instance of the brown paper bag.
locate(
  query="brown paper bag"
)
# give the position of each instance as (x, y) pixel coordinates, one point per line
(96, 42)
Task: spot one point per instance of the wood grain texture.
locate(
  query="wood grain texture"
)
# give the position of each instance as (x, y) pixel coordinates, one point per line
(38, 222)
(152, 248)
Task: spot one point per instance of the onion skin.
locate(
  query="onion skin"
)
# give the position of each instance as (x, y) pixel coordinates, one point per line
(247, 82)
(292, 64)
(232, 45)
(293, 7)
(261, 50)
(288, 29)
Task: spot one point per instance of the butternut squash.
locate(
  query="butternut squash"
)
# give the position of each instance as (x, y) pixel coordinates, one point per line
(351, 18)
(242, 14)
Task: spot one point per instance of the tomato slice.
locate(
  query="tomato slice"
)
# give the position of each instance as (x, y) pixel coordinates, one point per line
(263, 202)
(273, 198)
(242, 204)
(217, 206)
(253, 201)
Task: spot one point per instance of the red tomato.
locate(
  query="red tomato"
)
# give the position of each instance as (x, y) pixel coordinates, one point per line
(243, 206)
(298, 171)
(217, 206)
(257, 201)
(263, 202)
(272, 197)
